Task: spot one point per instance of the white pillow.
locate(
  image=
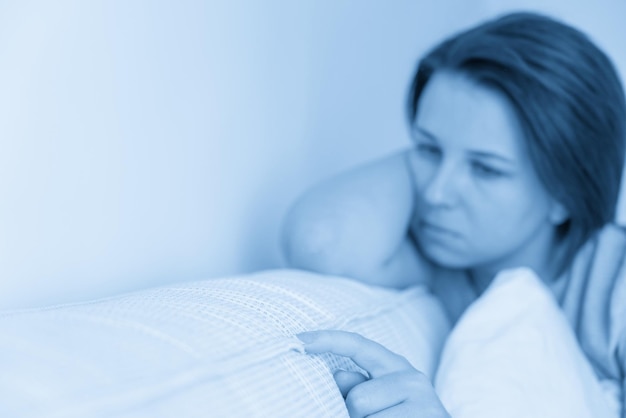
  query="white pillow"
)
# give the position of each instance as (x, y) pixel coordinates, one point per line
(513, 354)
(214, 348)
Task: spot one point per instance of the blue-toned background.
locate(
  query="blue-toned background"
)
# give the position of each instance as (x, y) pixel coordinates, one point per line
(144, 142)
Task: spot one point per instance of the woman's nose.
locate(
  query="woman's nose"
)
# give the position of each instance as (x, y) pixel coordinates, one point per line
(441, 189)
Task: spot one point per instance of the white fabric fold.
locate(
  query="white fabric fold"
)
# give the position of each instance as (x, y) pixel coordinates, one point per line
(513, 354)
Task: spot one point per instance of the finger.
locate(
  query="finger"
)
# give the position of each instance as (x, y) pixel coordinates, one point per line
(375, 395)
(406, 409)
(347, 380)
(422, 399)
(401, 394)
(367, 354)
(401, 410)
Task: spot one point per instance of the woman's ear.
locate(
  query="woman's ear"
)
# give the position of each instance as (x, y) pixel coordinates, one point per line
(558, 213)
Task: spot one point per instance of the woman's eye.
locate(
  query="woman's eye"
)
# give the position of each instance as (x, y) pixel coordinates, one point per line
(486, 171)
(429, 150)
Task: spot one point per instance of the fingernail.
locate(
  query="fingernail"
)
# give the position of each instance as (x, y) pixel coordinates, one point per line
(307, 337)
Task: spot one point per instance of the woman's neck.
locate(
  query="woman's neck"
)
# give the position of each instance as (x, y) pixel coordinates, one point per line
(540, 255)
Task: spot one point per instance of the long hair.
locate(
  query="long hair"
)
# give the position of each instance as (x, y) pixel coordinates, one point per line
(568, 98)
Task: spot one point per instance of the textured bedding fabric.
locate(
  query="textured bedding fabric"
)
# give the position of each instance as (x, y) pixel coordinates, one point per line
(213, 348)
(513, 354)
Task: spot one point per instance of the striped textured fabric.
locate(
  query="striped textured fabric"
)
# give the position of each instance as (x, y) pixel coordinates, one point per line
(213, 348)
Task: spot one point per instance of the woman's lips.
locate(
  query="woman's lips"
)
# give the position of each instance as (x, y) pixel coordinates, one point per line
(432, 227)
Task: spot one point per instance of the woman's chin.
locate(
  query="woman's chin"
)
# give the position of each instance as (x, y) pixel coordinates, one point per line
(443, 254)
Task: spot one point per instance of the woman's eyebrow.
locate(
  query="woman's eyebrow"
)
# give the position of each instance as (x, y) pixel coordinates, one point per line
(475, 153)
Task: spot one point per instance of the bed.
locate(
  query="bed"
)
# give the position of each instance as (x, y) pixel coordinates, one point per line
(227, 348)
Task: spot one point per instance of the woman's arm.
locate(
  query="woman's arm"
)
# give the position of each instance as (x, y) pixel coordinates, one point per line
(356, 224)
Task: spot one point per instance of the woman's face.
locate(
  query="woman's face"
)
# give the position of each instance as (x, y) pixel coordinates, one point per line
(480, 203)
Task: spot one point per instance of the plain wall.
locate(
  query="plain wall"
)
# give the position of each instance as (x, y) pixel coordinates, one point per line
(149, 142)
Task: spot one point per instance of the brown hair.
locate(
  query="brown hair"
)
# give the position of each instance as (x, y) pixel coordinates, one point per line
(570, 102)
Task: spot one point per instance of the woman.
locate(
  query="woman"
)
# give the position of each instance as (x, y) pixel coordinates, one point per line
(519, 128)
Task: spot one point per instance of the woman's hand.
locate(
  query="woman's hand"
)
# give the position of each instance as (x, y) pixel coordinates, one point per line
(394, 387)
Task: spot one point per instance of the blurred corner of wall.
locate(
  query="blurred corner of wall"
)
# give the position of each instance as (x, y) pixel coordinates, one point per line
(149, 142)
